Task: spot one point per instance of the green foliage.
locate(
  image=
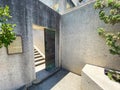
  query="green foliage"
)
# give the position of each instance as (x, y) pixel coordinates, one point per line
(113, 75)
(7, 34)
(111, 17)
(110, 14)
(112, 40)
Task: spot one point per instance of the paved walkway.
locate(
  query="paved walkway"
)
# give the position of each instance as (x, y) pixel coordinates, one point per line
(63, 80)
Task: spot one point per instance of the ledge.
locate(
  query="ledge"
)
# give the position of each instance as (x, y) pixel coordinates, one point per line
(93, 78)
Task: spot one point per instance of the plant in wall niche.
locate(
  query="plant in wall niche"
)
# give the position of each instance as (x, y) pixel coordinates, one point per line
(7, 34)
(110, 14)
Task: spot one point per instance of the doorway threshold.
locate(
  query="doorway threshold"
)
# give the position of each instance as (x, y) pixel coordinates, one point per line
(43, 75)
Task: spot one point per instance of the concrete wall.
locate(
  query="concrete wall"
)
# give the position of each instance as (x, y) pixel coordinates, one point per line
(80, 42)
(18, 70)
(93, 78)
(47, 2)
(45, 16)
(38, 40)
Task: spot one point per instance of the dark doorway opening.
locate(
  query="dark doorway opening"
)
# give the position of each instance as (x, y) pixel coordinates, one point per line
(44, 51)
(49, 48)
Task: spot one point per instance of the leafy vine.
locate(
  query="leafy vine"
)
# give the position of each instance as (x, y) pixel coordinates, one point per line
(7, 34)
(110, 17)
(110, 14)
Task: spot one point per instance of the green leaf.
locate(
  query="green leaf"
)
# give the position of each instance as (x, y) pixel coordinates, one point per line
(100, 31)
(7, 34)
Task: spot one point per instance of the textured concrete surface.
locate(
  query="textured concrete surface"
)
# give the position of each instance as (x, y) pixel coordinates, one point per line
(17, 70)
(48, 2)
(80, 42)
(45, 16)
(63, 80)
(93, 78)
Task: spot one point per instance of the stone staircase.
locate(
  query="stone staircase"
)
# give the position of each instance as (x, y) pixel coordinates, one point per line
(39, 60)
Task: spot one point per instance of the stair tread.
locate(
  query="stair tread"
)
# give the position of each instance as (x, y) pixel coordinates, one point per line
(40, 67)
(36, 53)
(40, 58)
(39, 63)
(37, 56)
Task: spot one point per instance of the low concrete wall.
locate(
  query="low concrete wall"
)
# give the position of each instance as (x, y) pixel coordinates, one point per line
(38, 40)
(18, 69)
(93, 78)
(80, 42)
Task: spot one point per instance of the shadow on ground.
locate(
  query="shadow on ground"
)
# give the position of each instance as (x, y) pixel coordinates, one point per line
(51, 82)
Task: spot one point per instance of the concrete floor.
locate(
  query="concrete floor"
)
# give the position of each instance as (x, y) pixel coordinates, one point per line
(63, 80)
(39, 68)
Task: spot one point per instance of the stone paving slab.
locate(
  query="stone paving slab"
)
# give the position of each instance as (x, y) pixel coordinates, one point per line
(63, 80)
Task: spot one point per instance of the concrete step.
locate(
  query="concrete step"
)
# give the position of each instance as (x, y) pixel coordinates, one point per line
(39, 63)
(40, 58)
(40, 67)
(36, 53)
(37, 56)
(93, 78)
(34, 49)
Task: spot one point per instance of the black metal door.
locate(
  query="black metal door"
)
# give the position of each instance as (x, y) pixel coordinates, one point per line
(49, 48)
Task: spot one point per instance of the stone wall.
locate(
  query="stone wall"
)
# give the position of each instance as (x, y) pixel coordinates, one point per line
(80, 42)
(18, 69)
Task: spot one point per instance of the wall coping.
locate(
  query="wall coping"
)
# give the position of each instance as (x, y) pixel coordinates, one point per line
(96, 75)
(78, 7)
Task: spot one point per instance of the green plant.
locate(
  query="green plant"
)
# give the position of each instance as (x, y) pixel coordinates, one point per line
(110, 14)
(113, 75)
(7, 34)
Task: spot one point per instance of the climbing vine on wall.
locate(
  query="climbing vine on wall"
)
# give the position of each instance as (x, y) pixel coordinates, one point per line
(109, 12)
(7, 34)
(110, 17)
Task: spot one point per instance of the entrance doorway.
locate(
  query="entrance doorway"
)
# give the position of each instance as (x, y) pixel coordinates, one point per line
(49, 35)
(44, 49)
